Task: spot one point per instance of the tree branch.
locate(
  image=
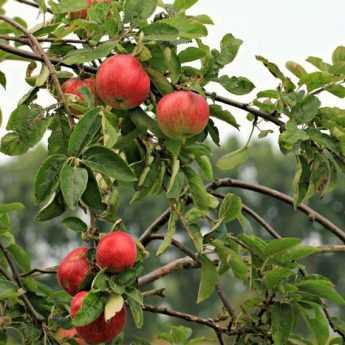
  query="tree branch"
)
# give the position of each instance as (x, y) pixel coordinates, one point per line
(35, 45)
(175, 265)
(32, 4)
(246, 107)
(312, 214)
(50, 40)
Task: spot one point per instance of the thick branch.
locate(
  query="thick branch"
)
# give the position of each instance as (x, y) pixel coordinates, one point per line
(312, 214)
(176, 265)
(187, 317)
(246, 107)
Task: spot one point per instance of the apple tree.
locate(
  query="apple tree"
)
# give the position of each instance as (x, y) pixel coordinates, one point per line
(134, 108)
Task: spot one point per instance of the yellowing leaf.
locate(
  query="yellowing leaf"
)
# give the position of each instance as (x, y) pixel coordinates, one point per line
(113, 306)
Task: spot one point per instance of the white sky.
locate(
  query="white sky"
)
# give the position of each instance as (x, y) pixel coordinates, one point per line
(280, 30)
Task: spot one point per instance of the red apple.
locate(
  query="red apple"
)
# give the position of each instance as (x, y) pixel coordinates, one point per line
(73, 86)
(122, 82)
(98, 331)
(74, 270)
(182, 113)
(116, 252)
(70, 334)
(82, 14)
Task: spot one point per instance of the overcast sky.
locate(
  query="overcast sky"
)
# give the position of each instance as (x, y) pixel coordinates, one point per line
(280, 30)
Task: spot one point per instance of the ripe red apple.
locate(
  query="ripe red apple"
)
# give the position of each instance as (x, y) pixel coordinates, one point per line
(70, 334)
(82, 14)
(182, 113)
(122, 82)
(98, 331)
(116, 251)
(73, 86)
(74, 270)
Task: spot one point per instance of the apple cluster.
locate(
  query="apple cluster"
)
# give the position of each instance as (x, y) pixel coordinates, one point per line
(122, 83)
(115, 253)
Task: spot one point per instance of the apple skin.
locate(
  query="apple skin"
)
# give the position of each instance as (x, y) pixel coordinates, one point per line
(74, 270)
(98, 331)
(116, 251)
(122, 82)
(182, 114)
(70, 334)
(82, 14)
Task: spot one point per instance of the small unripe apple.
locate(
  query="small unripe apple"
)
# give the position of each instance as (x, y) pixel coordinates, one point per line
(122, 82)
(98, 331)
(82, 14)
(74, 270)
(116, 251)
(73, 86)
(71, 333)
(182, 114)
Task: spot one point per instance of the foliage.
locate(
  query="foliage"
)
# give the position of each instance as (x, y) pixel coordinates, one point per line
(91, 158)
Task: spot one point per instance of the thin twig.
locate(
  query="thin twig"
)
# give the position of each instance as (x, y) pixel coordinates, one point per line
(311, 213)
(154, 292)
(246, 107)
(35, 45)
(50, 40)
(32, 4)
(40, 271)
(269, 228)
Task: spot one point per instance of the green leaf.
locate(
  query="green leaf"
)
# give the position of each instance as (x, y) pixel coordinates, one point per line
(5, 223)
(230, 209)
(276, 276)
(282, 323)
(298, 253)
(191, 54)
(75, 224)
(201, 197)
(160, 32)
(218, 112)
(173, 64)
(188, 27)
(206, 167)
(229, 49)
(182, 5)
(84, 132)
(279, 246)
(58, 140)
(113, 306)
(108, 163)
(306, 110)
(65, 6)
(317, 79)
(319, 63)
(236, 85)
(233, 159)
(2, 82)
(12, 207)
(136, 310)
(27, 128)
(54, 208)
(291, 136)
(321, 288)
(209, 279)
(160, 81)
(169, 234)
(73, 182)
(92, 195)
(338, 55)
(23, 259)
(90, 310)
(137, 9)
(301, 181)
(89, 54)
(7, 289)
(316, 321)
(277, 73)
(47, 178)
